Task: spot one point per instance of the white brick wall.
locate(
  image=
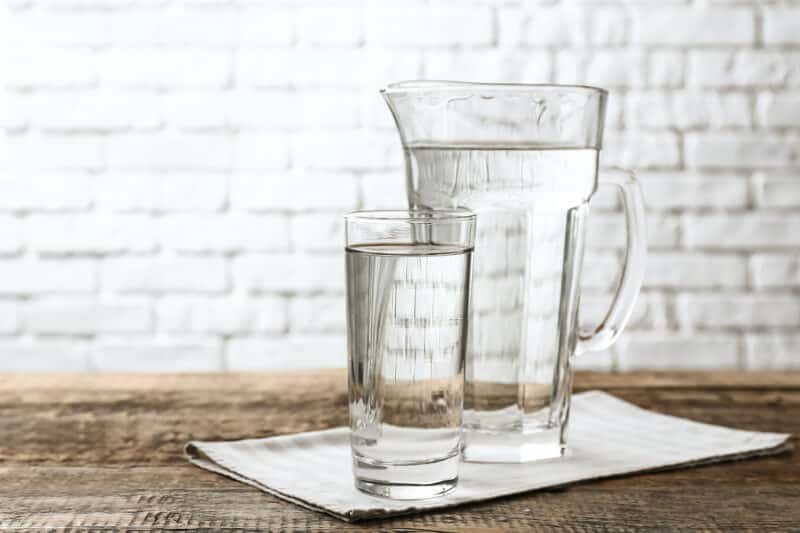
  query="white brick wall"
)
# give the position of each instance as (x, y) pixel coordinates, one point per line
(173, 172)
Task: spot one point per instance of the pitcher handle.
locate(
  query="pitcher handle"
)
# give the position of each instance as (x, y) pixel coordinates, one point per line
(633, 269)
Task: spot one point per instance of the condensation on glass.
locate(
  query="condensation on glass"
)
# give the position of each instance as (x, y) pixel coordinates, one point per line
(524, 158)
(408, 281)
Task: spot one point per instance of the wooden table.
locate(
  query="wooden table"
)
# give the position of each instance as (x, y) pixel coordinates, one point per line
(103, 452)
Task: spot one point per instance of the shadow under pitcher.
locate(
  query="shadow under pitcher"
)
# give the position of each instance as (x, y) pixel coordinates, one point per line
(524, 158)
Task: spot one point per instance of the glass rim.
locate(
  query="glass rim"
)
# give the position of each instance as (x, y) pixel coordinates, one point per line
(413, 216)
(415, 86)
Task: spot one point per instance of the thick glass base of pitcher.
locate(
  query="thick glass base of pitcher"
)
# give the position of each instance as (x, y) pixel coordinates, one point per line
(511, 446)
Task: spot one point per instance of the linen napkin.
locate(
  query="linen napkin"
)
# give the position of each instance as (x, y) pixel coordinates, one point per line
(607, 437)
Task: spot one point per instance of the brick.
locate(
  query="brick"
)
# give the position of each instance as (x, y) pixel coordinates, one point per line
(261, 151)
(267, 68)
(318, 232)
(318, 351)
(222, 316)
(554, 26)
(267, 26)
(317, 314)
(666, 68)
(197, 27)
(224, 233)
(781, 25)
(605, 198)
(674, 270)
(330, 67)
(24, 153)
(258, 109)
(671, 190)
(88, 317)
(778, 190)
(139, 27)
(511, 25)
(663, 231)
(195, 110)
(43, 355)
(36, 28)
(338, 26)
(289, 273)
(28, 276)
(95, 111)
(663, 110)
(615, 107)
(351, 150)
(666, 351)
(649, 311)
(131, 191)
(190, 68)
(746, 231)
(207, 3)
(600, 270)
(157, 68)
(385, 190)
(440, 26)
(740, 150)
(779, 110)
(170, 151)
(40, 67)
(741, 311)
(375, 113)
(772, 271)
(512, 66)
(90, 233)
(565, 25)
(295, 110)
(9, 317)
(748, 68)
(608, 231)
(10, 235)
(330, 108)
(607, 27)
(170, 355)
(174, 274)
(16, 111)
(693, 27)
(603, 68)
(635, 149)
(259, 192)
(67, 5)
(772, 352)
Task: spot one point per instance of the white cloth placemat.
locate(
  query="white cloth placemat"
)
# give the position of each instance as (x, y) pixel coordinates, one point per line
(607, 437)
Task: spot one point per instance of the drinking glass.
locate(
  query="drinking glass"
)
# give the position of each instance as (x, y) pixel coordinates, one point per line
(408, 283)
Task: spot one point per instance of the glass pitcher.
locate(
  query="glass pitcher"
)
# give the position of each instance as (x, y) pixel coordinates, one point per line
(524, 158)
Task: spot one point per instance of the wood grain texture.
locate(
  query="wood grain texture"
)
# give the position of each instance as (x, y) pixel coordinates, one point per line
(103, 452)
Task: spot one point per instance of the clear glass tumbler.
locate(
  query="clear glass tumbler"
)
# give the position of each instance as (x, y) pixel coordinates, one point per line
(408, 283)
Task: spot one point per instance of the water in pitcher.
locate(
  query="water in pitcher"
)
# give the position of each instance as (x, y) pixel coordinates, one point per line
(407, 307)
(531, 203)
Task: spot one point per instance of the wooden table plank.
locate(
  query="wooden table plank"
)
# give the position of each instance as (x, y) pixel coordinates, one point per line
(88, 451)
(308, 380)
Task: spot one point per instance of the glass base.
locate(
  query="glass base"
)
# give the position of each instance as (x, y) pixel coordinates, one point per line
(406, 481)
(488, 446)
(406, 492)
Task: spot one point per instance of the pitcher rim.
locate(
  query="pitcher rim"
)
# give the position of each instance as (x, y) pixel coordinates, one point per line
(407, 86)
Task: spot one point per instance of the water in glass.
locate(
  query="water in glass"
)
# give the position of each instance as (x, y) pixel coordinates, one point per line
(407, 312)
